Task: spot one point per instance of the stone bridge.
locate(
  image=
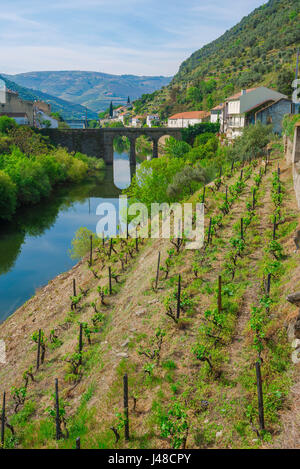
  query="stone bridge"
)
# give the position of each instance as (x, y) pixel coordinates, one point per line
(99, 142)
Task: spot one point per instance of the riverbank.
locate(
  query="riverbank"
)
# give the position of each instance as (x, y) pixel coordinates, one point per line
(131, 318)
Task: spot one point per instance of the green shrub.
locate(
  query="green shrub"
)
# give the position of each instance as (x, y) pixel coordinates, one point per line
(8, 196)
(6, 124)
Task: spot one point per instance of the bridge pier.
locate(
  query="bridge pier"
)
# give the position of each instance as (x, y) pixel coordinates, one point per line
(132, 154)
(155, 148)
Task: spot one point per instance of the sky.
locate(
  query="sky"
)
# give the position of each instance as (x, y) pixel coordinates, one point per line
(139, 37)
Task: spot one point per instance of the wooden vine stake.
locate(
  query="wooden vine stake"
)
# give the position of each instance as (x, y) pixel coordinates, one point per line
(203, 194)
(38, 350)
(242, 229)
(232, 165)
(74, 287)
(209, 232)
(274, 229)
(241, 176)
(157, 271)
(253, 200)
(109, 280)
(78, 443)
(91, 250)
(268, 284)
(226, 194)
(178, 297)
(136, 241)
(57, 416)
(74, 306)
(126, 413)
(219, 294)
(260, 397)
(80, 343)
(3, 421)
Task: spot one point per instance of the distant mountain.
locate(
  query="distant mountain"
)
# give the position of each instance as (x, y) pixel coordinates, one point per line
(67, 110)
(258, 51)
(92, 89)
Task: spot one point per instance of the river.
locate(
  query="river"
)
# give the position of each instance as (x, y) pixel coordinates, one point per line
(34, 247)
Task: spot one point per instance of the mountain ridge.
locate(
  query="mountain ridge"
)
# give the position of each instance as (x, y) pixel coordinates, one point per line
(94, 90)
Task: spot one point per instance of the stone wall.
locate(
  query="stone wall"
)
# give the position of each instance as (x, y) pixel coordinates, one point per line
(288, 149)
(296, 147)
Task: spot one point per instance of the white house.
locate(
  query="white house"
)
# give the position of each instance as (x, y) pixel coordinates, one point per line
(122, 116)
(216, 114)
(41, 118)
(118, 111)
(240, 109)
(137, 121)
(152, 119)
(184, 119)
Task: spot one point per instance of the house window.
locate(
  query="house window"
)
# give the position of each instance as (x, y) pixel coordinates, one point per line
(269, 120)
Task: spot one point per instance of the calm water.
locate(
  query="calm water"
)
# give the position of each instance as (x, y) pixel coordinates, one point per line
(34, 248)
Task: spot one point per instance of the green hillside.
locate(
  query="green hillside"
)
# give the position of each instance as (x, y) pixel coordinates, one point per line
(259, 50)
(92, 89)
(67, 109)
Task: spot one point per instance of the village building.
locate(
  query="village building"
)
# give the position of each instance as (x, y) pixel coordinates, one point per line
(242, 109)
(43, 120)
(216, 114)
(21, 118)
(274, 113)
(76, 123)
(137, 121)
(14, 105)
(152, 119)
(118, 111)
(122, 117)
(184, 119)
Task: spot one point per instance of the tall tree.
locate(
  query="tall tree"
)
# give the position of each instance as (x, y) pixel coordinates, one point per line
(128, 100)
(111, 110)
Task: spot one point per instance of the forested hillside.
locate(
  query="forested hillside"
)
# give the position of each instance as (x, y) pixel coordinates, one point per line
(259, 50)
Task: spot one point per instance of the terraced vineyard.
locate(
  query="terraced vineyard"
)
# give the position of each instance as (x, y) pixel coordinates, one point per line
(190, 342)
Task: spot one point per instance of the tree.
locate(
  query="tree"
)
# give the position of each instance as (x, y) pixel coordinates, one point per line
(284, 82)
(128, 100)
(111, 109)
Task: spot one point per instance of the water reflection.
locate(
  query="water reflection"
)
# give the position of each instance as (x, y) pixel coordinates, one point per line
(122, 176)
(34, 247)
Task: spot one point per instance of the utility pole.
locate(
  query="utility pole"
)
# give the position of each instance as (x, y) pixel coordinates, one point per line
(296, 78)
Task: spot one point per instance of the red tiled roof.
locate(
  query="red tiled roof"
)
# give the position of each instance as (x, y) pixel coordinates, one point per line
(218, 108)
(239, 94)
(191, 115)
